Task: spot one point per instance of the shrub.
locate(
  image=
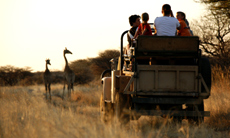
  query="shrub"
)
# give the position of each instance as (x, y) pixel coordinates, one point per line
(10, 75)
(83, 73)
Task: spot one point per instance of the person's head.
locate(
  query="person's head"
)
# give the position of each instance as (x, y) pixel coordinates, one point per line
(145, 17)
(166, 9)
(180, 15)
(134, 20)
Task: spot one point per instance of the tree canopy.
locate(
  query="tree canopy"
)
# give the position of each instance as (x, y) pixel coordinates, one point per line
(221, 7)
(214, 32)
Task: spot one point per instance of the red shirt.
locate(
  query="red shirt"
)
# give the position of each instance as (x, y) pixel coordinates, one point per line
(142, 27)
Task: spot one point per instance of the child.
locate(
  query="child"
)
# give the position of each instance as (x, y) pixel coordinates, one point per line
(184, 30)
(144, 28)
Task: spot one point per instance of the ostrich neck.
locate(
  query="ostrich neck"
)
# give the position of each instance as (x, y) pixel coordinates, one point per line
(66, 62)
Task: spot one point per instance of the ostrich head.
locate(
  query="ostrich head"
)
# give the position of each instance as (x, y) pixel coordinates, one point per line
(48, 61)
(66, 51)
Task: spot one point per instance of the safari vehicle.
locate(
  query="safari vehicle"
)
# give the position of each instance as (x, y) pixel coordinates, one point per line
(167, 77)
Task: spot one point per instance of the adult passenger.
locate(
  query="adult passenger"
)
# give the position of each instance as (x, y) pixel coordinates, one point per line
(166, 25)
(184, 30)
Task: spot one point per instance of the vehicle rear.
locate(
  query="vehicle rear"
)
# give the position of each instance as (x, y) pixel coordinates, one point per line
(164, 76)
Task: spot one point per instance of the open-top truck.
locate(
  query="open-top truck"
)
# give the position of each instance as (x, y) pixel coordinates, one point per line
(164, 76)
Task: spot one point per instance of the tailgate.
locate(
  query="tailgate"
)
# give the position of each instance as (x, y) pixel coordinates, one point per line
(167, 80)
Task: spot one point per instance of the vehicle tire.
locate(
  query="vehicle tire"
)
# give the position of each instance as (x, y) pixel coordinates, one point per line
(197, 119)
(106, 110)
(206, 73)
(122, 108)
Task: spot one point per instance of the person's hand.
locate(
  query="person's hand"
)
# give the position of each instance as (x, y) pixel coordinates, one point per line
(134, 40)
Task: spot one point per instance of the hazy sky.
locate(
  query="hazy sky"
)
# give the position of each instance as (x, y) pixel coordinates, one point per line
(33, 30)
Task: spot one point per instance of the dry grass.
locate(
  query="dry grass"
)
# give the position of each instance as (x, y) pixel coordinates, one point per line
(219, 101)
(24, 112)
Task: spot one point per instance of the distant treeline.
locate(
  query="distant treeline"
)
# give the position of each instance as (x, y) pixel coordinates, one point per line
(86, 70)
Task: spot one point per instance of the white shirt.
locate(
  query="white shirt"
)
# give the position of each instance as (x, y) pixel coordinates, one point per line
(166, 26)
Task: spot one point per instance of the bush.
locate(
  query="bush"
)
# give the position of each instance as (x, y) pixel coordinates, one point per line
(87, 69)
(83, 73)
(10, 75)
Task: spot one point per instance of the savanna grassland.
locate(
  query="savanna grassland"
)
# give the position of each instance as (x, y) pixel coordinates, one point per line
(24, 112)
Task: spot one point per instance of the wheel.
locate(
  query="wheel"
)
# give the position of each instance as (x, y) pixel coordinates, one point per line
(198, 118)
(106, 110)
(206, 73)
(122, 108)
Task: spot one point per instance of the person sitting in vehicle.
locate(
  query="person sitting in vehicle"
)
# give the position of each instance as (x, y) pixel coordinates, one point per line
(144, 28)
(184, 30)
(166, 25)
(134, 21)
(187, 23)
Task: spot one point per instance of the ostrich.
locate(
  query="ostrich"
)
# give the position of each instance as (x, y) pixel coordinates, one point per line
(69, 75)
(47, 78)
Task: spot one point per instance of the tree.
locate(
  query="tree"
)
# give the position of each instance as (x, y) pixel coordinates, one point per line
(214, 32)
(102, 62)
(221, 7)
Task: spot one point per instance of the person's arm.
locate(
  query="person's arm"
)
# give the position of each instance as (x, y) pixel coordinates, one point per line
(128, 37)
(178, 32)
(171, 14)
(154, 27)
(136, 34)
(187, 27)
(179, 29)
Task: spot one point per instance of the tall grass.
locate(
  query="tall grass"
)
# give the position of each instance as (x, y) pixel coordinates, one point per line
(24, 112)
(219, 101)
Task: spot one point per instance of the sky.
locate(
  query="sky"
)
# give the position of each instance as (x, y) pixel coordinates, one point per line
(33, 30)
